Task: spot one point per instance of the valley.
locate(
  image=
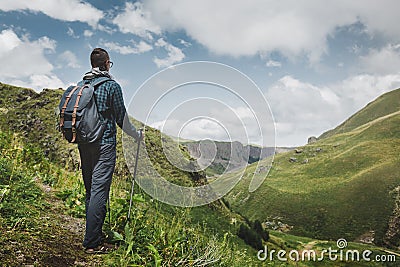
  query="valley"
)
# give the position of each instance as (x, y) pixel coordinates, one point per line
(345, 185)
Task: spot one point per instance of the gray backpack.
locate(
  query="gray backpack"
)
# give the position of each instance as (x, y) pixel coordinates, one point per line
(80, 122)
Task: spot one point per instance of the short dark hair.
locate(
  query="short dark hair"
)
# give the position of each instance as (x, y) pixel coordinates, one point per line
(98, 58)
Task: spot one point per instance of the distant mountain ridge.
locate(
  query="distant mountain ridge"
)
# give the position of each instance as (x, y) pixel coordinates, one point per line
(227, 156)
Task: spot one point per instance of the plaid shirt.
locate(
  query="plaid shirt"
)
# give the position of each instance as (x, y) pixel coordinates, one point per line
(110, 105)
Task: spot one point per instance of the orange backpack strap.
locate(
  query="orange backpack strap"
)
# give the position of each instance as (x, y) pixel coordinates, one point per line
(76, 106)
(65, 106)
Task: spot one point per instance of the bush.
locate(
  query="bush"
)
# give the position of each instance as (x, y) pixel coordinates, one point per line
(259, 230)
(250, 237)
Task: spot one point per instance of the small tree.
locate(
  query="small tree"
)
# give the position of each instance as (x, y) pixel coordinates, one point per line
(260, 230)
(250, 237)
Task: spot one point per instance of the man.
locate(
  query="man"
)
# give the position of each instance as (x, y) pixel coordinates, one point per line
(98, 159)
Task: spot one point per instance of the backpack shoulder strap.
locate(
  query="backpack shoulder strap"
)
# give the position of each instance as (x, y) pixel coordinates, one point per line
(100, 81)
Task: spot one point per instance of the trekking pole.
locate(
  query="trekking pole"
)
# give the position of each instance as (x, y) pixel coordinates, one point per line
(109, 211)
(134, 173)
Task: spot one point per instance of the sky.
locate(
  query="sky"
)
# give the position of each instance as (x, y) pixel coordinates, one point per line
(315, 63)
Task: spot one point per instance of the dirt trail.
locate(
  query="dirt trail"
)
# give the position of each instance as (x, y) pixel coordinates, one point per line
(55, 241)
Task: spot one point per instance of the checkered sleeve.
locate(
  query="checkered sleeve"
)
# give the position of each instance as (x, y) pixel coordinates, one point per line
(101, 100)
(119, 111)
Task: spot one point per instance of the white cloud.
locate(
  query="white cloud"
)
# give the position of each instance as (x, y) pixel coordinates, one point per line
(244, 125)
(302, 109)
(243, 113)
(161, 42)
(67, 10)
(24, 61)
(204, 129)
(138, 48)
(195, 130)
(23, 57)
(273, 63)
(355, 92)
(8, 41)
(40, 81)
(295, 117)
(217, 122)
(142, 47)
(46, 43)
(106, 29)
(71, 33)
(356, 49)
(175, 55)
(383, 61)
(184, 43)
(247, 28)
(87, 33)
(134, 19)
(69, 59)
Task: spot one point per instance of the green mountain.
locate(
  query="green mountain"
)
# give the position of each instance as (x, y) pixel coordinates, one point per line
(35, 157)
(42, 196)
(384, 105)
(345, 185)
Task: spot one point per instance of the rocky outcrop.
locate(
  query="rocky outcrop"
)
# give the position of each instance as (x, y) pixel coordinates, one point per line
(312, 139)
(226, 156)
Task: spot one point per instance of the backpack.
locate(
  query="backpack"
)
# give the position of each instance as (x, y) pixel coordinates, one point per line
(80, 121)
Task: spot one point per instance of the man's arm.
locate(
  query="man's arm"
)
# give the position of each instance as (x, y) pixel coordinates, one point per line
(120, 112)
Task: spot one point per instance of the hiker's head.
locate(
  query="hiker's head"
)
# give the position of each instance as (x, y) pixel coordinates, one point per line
(99, 58)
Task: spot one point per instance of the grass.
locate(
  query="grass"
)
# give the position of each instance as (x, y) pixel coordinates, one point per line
(343, 191)
(33, 229)
(157, 235)
(33, 153)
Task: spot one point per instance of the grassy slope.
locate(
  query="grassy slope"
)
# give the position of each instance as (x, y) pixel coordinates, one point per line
(343, 190)
(31, 118)
(385, 104)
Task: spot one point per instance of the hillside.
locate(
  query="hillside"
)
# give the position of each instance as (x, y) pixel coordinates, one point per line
(34, 116)
(39, 169)
(345, 185)
(42, 196)
(386, 104)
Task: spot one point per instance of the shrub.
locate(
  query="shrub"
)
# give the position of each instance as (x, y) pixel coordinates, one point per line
(250, 237)
(259, 230)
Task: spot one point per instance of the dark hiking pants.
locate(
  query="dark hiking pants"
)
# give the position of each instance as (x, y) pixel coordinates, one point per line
(98, 163)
